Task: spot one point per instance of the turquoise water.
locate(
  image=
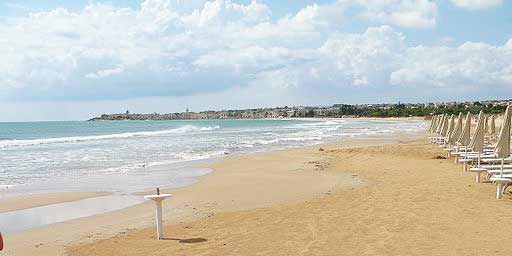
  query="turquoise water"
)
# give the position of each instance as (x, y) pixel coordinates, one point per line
(115, 155)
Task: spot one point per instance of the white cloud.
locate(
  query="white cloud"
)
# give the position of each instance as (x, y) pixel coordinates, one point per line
(362, 59)
(467, 66)
(197, 47)
(105, 73)
(403, 13)
(477, 4)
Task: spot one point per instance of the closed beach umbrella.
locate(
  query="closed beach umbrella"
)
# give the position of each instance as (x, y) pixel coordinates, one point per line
(477, 142)
(491, 127)
(502, 148)
(464, 138)
(433, 123)
(444, 126)
(451, 124)
(456, 130)
(440, 124)
(486, 124)
(440, 120)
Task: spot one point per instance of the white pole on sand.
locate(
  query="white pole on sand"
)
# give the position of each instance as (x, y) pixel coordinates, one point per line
(457, 153)
(465, 166)
(501, 183)
(502, 165)
(158, 198)
(478, 166)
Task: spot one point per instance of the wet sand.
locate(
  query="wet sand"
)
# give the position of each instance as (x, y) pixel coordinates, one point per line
(30, 201)
(21, 220)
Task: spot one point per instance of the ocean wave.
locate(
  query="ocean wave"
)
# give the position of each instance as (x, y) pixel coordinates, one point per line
(332, 129)
(264, 142)
(7, 186)
(179, 130)
(252, 143)
(180, 158)
(301, 139)
(317, 124)
(187, 156)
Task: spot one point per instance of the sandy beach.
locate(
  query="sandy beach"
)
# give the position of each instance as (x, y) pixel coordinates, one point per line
(238, 183)
(370, 197)
(261, 127)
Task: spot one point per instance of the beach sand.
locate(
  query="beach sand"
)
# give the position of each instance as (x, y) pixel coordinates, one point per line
(30, 201)
(364, 197)
(412, 203)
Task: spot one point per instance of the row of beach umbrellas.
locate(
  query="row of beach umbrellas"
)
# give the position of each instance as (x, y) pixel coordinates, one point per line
(484, 151)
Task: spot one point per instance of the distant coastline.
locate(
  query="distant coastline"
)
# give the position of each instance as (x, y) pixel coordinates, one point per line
(335, 111)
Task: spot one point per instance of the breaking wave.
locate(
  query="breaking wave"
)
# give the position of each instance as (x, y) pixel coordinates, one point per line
(179, 130)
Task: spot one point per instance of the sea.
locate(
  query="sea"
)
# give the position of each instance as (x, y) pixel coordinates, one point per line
(115, 156)
(123, 157)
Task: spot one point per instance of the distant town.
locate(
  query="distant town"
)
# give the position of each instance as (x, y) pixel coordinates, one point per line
(334, 111)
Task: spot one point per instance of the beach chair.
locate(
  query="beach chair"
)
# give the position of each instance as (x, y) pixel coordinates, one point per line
(502, 152)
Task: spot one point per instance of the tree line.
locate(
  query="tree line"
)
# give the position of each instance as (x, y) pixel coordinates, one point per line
(401, 110)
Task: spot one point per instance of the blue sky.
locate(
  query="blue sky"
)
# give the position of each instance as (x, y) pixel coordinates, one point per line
(491, 25)
(75, 59)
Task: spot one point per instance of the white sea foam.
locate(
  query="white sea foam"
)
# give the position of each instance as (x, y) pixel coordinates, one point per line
(187, 156)
(253, 143)
(183, 129)
(318, 124)
(7, 186)
(299, 139)
(264, 142)
(179, 158)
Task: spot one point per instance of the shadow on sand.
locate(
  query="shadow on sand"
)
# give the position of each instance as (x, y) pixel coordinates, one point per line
(187, 241)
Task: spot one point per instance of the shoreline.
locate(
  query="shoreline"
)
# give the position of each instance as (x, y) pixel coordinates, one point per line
(288, 134)
(62, 196)
(190, 204)
(22, 202)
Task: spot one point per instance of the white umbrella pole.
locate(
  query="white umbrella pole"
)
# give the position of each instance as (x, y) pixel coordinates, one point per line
(159, 230)
(457, 153)
(502, 166)
(158, 198)
(478, 166)
(500, 186)
(465, 166)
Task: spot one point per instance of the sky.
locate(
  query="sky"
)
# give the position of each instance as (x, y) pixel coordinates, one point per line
(73, 60)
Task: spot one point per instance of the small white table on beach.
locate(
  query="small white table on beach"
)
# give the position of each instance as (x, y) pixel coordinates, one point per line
(158, 201)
